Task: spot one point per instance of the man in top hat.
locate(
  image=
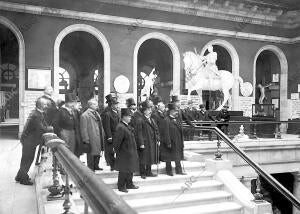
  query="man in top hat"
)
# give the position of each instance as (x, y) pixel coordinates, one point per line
(131, 105)
(224, 117)
(204, 115)
(147, 137)
(173, 143)
(111, 119)
(126, 152)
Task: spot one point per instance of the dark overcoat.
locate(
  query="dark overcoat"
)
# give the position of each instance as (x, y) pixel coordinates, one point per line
(159, 118)
(34, 128)
(173, 136)
(92, 130)
(204, 116)
(125, 148)
(110, 122)
(147, 134)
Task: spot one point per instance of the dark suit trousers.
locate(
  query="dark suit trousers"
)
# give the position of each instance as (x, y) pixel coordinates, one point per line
(92, 161)
(125, 179)
(28, 152)
(109, 154)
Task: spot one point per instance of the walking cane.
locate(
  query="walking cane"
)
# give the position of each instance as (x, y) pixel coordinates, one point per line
(157, 157)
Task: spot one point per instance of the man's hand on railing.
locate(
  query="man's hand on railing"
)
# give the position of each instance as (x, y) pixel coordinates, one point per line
(142, 147)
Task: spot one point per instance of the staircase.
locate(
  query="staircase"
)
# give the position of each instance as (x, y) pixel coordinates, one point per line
(196, 192)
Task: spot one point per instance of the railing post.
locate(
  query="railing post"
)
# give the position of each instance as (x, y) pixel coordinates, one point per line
(258, 197)
(55, 189)
(218, 154)
(278, 132)
(67, 204)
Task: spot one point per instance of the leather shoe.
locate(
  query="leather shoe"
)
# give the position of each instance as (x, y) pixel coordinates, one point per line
(170, 173)
(97, 168)
(151, 174)
(26, 182)
(181, 173)
(132, 186)
(123, 190)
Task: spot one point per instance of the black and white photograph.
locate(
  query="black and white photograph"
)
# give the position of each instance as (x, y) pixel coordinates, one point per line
(150, 106)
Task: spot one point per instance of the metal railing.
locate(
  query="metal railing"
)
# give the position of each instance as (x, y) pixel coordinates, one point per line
(252, 128)
(274, 183)
(98, 195)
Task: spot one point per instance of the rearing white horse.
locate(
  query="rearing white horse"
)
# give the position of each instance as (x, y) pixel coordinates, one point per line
(199, 77)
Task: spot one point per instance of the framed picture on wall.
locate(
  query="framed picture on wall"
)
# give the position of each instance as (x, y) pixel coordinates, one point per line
(38, 78)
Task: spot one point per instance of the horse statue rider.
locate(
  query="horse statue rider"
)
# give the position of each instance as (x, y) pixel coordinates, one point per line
(202, 73)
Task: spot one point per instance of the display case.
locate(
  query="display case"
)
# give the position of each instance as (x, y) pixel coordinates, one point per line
(263, 110)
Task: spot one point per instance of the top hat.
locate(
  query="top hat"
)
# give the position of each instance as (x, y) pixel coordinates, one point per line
(174, 99)
(125, 112)
(226, 106)
(172, 106)
(201, 106)
(130, 102)
(111, 100)
(156, 100)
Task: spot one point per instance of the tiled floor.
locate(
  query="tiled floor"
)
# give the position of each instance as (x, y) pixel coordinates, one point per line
(14, 197)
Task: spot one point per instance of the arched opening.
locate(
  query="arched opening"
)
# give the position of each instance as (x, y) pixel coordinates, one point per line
(85, 54)
(268, 77)
(12, 62)
(270, 66)
(81, 50)
(169, 65)
(155, 55)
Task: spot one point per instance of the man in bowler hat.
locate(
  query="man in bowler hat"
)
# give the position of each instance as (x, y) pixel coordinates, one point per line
(204, 115)
(147, 137)
(126, 152)
(111, 119)
(173, 144)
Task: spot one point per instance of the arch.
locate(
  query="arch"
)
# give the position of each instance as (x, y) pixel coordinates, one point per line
(283, 77)
(176, 59)
(235, 67)
(9, 24)
(101, 38)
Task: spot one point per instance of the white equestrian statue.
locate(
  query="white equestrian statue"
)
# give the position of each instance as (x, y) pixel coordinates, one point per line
(149, 83)
(203, 74)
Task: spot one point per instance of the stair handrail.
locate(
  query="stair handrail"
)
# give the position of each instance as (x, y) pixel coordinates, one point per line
(269, 178)
(99, 196)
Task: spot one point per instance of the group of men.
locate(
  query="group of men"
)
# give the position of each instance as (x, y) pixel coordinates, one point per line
(133, 139)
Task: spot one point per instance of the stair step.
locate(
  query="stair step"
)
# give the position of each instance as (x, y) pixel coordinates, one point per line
(188, 166)
(164, 179)
(171, 189)
(181, 200)
(216, 208)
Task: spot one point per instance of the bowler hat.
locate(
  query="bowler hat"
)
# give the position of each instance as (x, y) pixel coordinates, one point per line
(174, 99)
(146, 104)
(172, 106)
(201, 106)
(156, 100)
(111, 100)
(130, 102)
(125, 112)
